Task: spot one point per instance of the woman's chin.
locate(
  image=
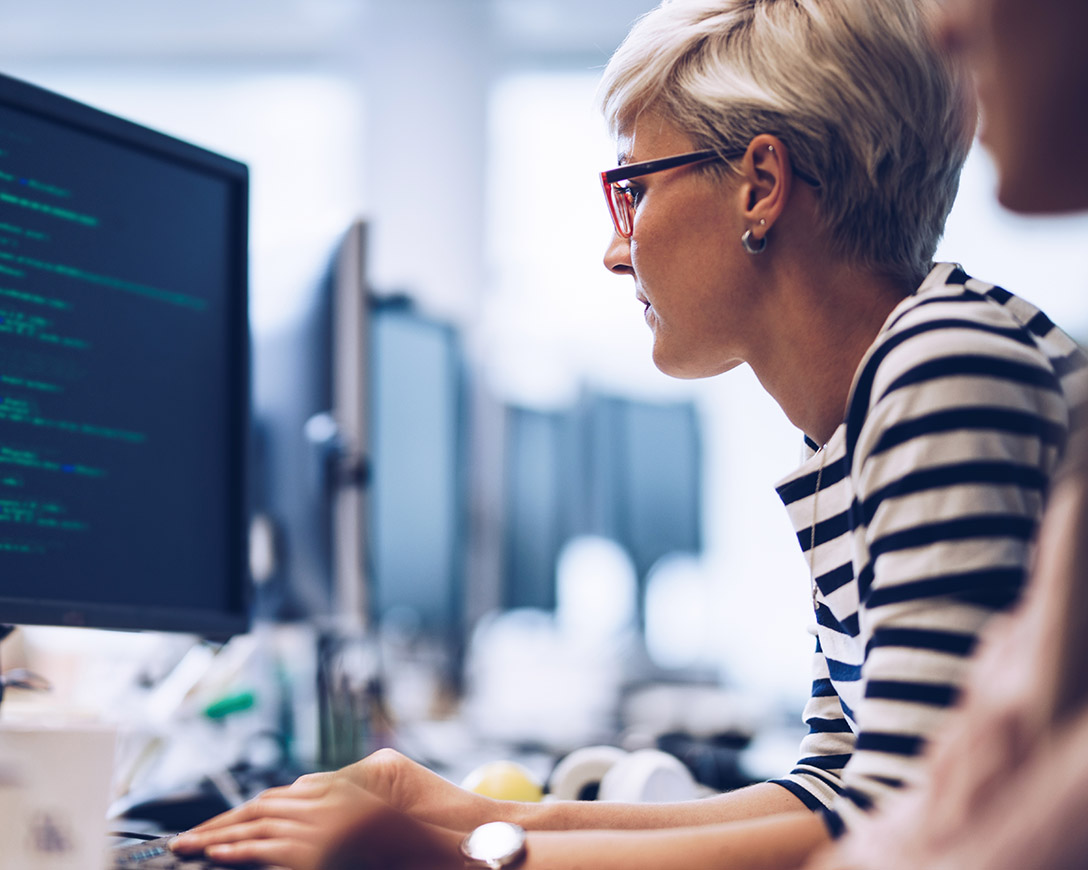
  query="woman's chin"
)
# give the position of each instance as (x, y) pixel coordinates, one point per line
(689, 370)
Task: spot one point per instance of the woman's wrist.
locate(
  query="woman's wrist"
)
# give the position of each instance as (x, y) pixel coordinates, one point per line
(528, 815)
(485, 810)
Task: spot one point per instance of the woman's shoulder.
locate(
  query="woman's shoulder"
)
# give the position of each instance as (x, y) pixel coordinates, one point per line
(959, 342)
(959, 325)
(950, 301)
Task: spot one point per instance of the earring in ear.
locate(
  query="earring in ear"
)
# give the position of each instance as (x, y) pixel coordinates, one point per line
(753, 246)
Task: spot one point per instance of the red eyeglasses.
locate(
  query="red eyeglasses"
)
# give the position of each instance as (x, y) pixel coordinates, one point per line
(622, 197)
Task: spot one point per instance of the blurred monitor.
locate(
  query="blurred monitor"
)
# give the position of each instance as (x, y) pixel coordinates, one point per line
(646, 477)
(123, 373)
(417, 502)
(545, 482)
(359, 448)
(310, 391)
(624, 469)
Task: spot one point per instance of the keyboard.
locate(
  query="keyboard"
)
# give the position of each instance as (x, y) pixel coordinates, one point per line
(155, 854)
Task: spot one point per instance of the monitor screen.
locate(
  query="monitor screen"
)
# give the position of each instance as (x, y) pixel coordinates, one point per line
(123, 373)
(653, 508)
(621, 468)
(416, 500)
(546, 480)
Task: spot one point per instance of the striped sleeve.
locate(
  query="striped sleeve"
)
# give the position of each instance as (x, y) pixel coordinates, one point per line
(958, 423)
(817, 777)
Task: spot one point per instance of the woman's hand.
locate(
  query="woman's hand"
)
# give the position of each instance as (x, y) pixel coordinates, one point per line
(421, 793)
(323, 822)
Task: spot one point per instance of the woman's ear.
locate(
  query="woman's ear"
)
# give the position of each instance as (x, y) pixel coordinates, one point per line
(767, 177)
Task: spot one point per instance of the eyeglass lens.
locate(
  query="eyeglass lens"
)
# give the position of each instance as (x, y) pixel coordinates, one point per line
(623, 208)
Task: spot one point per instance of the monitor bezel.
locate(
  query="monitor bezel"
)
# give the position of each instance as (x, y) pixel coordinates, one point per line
(212, 623)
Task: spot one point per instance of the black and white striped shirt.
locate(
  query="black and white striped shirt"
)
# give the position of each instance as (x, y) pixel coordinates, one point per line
(922, 508)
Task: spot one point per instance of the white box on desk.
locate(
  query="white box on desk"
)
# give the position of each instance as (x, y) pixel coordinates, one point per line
(54, 794)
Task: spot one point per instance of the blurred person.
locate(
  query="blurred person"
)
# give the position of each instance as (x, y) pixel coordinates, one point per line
(1007, 784)
(786, 167)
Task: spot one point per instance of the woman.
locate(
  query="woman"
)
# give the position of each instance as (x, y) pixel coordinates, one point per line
(786, 167)
(1007, 785)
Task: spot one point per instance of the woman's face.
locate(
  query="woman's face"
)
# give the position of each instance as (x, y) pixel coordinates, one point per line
(1031, 66)
(686, 259)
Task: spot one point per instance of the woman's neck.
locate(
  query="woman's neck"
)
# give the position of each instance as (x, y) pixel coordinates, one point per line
(828, 321)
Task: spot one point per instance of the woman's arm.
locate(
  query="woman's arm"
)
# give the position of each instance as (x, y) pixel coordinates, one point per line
(324, 823)
(745, 804)
(408, 787)
(779, 842)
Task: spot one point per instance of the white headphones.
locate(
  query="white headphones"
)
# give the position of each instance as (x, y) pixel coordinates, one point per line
(643, 776)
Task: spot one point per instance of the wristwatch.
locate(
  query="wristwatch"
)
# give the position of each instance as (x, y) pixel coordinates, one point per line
(495, 845)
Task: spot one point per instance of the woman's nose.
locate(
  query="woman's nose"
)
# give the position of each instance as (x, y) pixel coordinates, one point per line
(617, 256)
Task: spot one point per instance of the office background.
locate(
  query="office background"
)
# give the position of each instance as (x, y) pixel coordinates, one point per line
(465, 132)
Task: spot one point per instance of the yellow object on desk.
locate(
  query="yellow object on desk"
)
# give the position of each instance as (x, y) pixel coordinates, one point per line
(505, 781)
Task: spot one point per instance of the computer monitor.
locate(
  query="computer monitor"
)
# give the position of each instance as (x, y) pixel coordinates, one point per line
(123, 373)
(621, 468)
(417, 501)
(646, 490)
(360, 443)
(545, 500)
(311, 434)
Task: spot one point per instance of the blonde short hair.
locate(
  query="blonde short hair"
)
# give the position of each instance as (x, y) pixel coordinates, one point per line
(857, 89)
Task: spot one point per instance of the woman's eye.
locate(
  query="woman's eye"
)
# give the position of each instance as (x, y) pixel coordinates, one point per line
(633, 192)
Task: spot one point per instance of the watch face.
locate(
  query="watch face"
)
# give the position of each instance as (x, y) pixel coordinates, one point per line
(496, 843)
